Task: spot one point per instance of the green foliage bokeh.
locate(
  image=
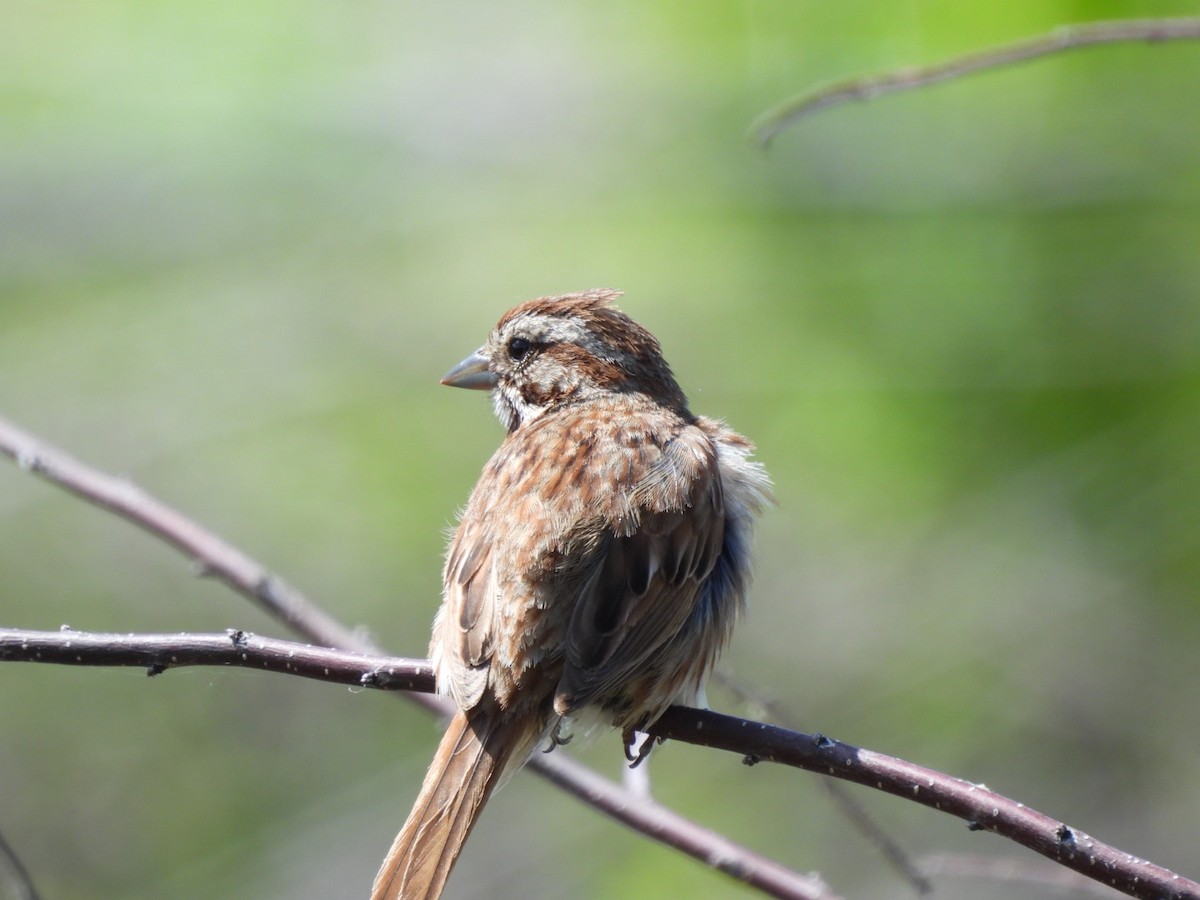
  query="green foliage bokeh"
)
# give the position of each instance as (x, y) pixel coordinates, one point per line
(239, 243)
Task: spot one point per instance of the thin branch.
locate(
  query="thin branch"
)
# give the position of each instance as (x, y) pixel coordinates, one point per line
(156, 653)
(210, 554)
(850, 806)
(1060, 40)
(14, 876)
(1017, 872)
(214, 556)
(870, 829)
(715, 849)
(982, 808)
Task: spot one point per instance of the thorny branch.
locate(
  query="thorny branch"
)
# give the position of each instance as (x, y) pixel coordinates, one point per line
(1060, 40)
(982, 808)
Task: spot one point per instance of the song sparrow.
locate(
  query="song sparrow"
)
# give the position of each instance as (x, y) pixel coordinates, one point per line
(600, 563)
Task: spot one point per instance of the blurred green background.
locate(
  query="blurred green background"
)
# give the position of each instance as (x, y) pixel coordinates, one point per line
(240, 242)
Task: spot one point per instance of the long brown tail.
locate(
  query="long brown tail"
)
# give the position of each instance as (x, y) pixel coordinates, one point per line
(468, 765)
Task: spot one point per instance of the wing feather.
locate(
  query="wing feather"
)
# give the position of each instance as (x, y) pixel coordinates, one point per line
(462, 635)
(645, 582)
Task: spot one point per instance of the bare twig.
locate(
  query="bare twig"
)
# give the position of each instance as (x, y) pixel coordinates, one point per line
(982, 808)
(214, 556)
(767, 708)
(15, 883)
(1060, 40)
(157, 653)
(870, 829)
(1017, 872)
(715, 849)
(210, 554)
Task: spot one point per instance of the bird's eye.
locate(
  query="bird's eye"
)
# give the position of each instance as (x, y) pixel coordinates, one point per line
(519, 347)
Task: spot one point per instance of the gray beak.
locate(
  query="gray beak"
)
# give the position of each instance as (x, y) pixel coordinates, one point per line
(474, 373)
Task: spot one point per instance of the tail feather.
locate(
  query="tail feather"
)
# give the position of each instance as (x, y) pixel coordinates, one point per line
(469, 764)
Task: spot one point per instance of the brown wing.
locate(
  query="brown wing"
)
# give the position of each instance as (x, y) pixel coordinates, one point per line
(462, 635)
(471, 582)
(643, 587)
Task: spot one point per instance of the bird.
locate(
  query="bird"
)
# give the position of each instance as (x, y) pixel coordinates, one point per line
(596, 571)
